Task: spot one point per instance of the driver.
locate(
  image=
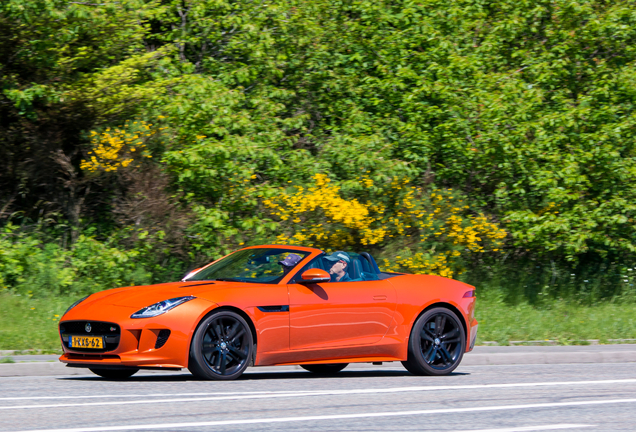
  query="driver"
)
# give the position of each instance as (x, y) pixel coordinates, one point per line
(341, 261)
(289, 262)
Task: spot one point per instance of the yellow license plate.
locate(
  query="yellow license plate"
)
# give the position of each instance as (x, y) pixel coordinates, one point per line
(96, 342)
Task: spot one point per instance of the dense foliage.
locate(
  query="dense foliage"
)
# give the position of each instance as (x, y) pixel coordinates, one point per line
(426, 232)
(165, 129)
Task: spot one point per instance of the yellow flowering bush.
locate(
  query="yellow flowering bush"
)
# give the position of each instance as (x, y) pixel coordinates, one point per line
(422, 232)
(119, 147)
(324, 218)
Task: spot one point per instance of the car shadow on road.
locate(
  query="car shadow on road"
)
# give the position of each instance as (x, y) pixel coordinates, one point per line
(261, 376)
(339, 375)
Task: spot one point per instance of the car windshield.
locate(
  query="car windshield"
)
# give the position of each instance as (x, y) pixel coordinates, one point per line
(252, 265)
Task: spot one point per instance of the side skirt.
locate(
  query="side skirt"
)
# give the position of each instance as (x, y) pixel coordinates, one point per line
(388, 349)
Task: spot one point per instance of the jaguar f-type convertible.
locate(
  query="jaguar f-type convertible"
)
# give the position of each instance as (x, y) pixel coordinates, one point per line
(274, 305)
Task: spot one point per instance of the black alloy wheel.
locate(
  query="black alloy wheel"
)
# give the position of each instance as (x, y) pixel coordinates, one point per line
(325, 369)
(437, 343)
(221, 348)
(114, 374)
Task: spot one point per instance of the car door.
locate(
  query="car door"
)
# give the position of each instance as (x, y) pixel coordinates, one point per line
(337, 314)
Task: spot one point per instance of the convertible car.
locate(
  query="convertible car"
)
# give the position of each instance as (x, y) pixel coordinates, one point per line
(274, 305)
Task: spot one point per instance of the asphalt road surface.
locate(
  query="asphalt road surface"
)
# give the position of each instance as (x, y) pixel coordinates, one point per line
(502, 398)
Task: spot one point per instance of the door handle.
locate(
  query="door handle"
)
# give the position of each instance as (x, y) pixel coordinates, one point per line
(379, 297)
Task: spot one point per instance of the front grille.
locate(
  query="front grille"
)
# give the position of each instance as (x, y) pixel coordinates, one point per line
(97, 327)
(162, 338)
(110, 331)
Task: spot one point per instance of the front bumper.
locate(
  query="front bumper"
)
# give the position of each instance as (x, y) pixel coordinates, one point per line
(158, 342)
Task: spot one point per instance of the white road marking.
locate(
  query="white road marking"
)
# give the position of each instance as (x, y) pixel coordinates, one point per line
(282, 394)
(144, 395)
(335, 417)
(532, 428)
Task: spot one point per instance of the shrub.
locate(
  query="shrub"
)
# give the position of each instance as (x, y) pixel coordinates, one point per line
(32, 265)
(422, 232)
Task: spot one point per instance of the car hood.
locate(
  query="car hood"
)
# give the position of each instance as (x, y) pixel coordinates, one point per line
(138, 297)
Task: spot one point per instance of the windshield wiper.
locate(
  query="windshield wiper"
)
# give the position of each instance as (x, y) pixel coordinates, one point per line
(227, 280)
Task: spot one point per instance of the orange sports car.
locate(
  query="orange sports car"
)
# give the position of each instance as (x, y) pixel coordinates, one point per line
(274, 305)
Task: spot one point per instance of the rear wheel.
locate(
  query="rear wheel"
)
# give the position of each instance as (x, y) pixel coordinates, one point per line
(221, 348)
(437, 343)
(114, 374)
(325, 369)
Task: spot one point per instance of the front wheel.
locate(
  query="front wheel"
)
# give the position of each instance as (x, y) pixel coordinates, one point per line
(437, 343)
(114, 374)
(325, 369)
(221, 348)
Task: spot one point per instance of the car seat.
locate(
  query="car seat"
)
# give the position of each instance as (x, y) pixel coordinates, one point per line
(370, 263)
(366, 268)
(355, 272)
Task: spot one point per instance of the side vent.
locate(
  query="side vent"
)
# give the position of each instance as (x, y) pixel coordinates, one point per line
(162, 338)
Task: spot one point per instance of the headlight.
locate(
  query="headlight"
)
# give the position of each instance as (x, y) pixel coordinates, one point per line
(161, 307)
(76, 303)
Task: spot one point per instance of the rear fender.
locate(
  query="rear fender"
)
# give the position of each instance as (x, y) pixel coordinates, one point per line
(419, 293)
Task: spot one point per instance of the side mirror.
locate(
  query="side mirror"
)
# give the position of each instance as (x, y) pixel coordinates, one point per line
(314, 276)
(190, 274)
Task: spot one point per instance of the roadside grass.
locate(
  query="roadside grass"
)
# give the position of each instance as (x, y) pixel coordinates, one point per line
(562, 321)
(31, 324)
(28, 324)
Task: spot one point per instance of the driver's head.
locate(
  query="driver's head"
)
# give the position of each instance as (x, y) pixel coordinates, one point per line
(340, 261)
(289, 262)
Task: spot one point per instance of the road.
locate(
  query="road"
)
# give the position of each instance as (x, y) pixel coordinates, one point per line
(501, 398)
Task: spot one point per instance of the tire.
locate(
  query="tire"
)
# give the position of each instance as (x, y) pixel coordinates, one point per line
(221, 347)
(115, 374)
(437, 343)
(325, 369)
